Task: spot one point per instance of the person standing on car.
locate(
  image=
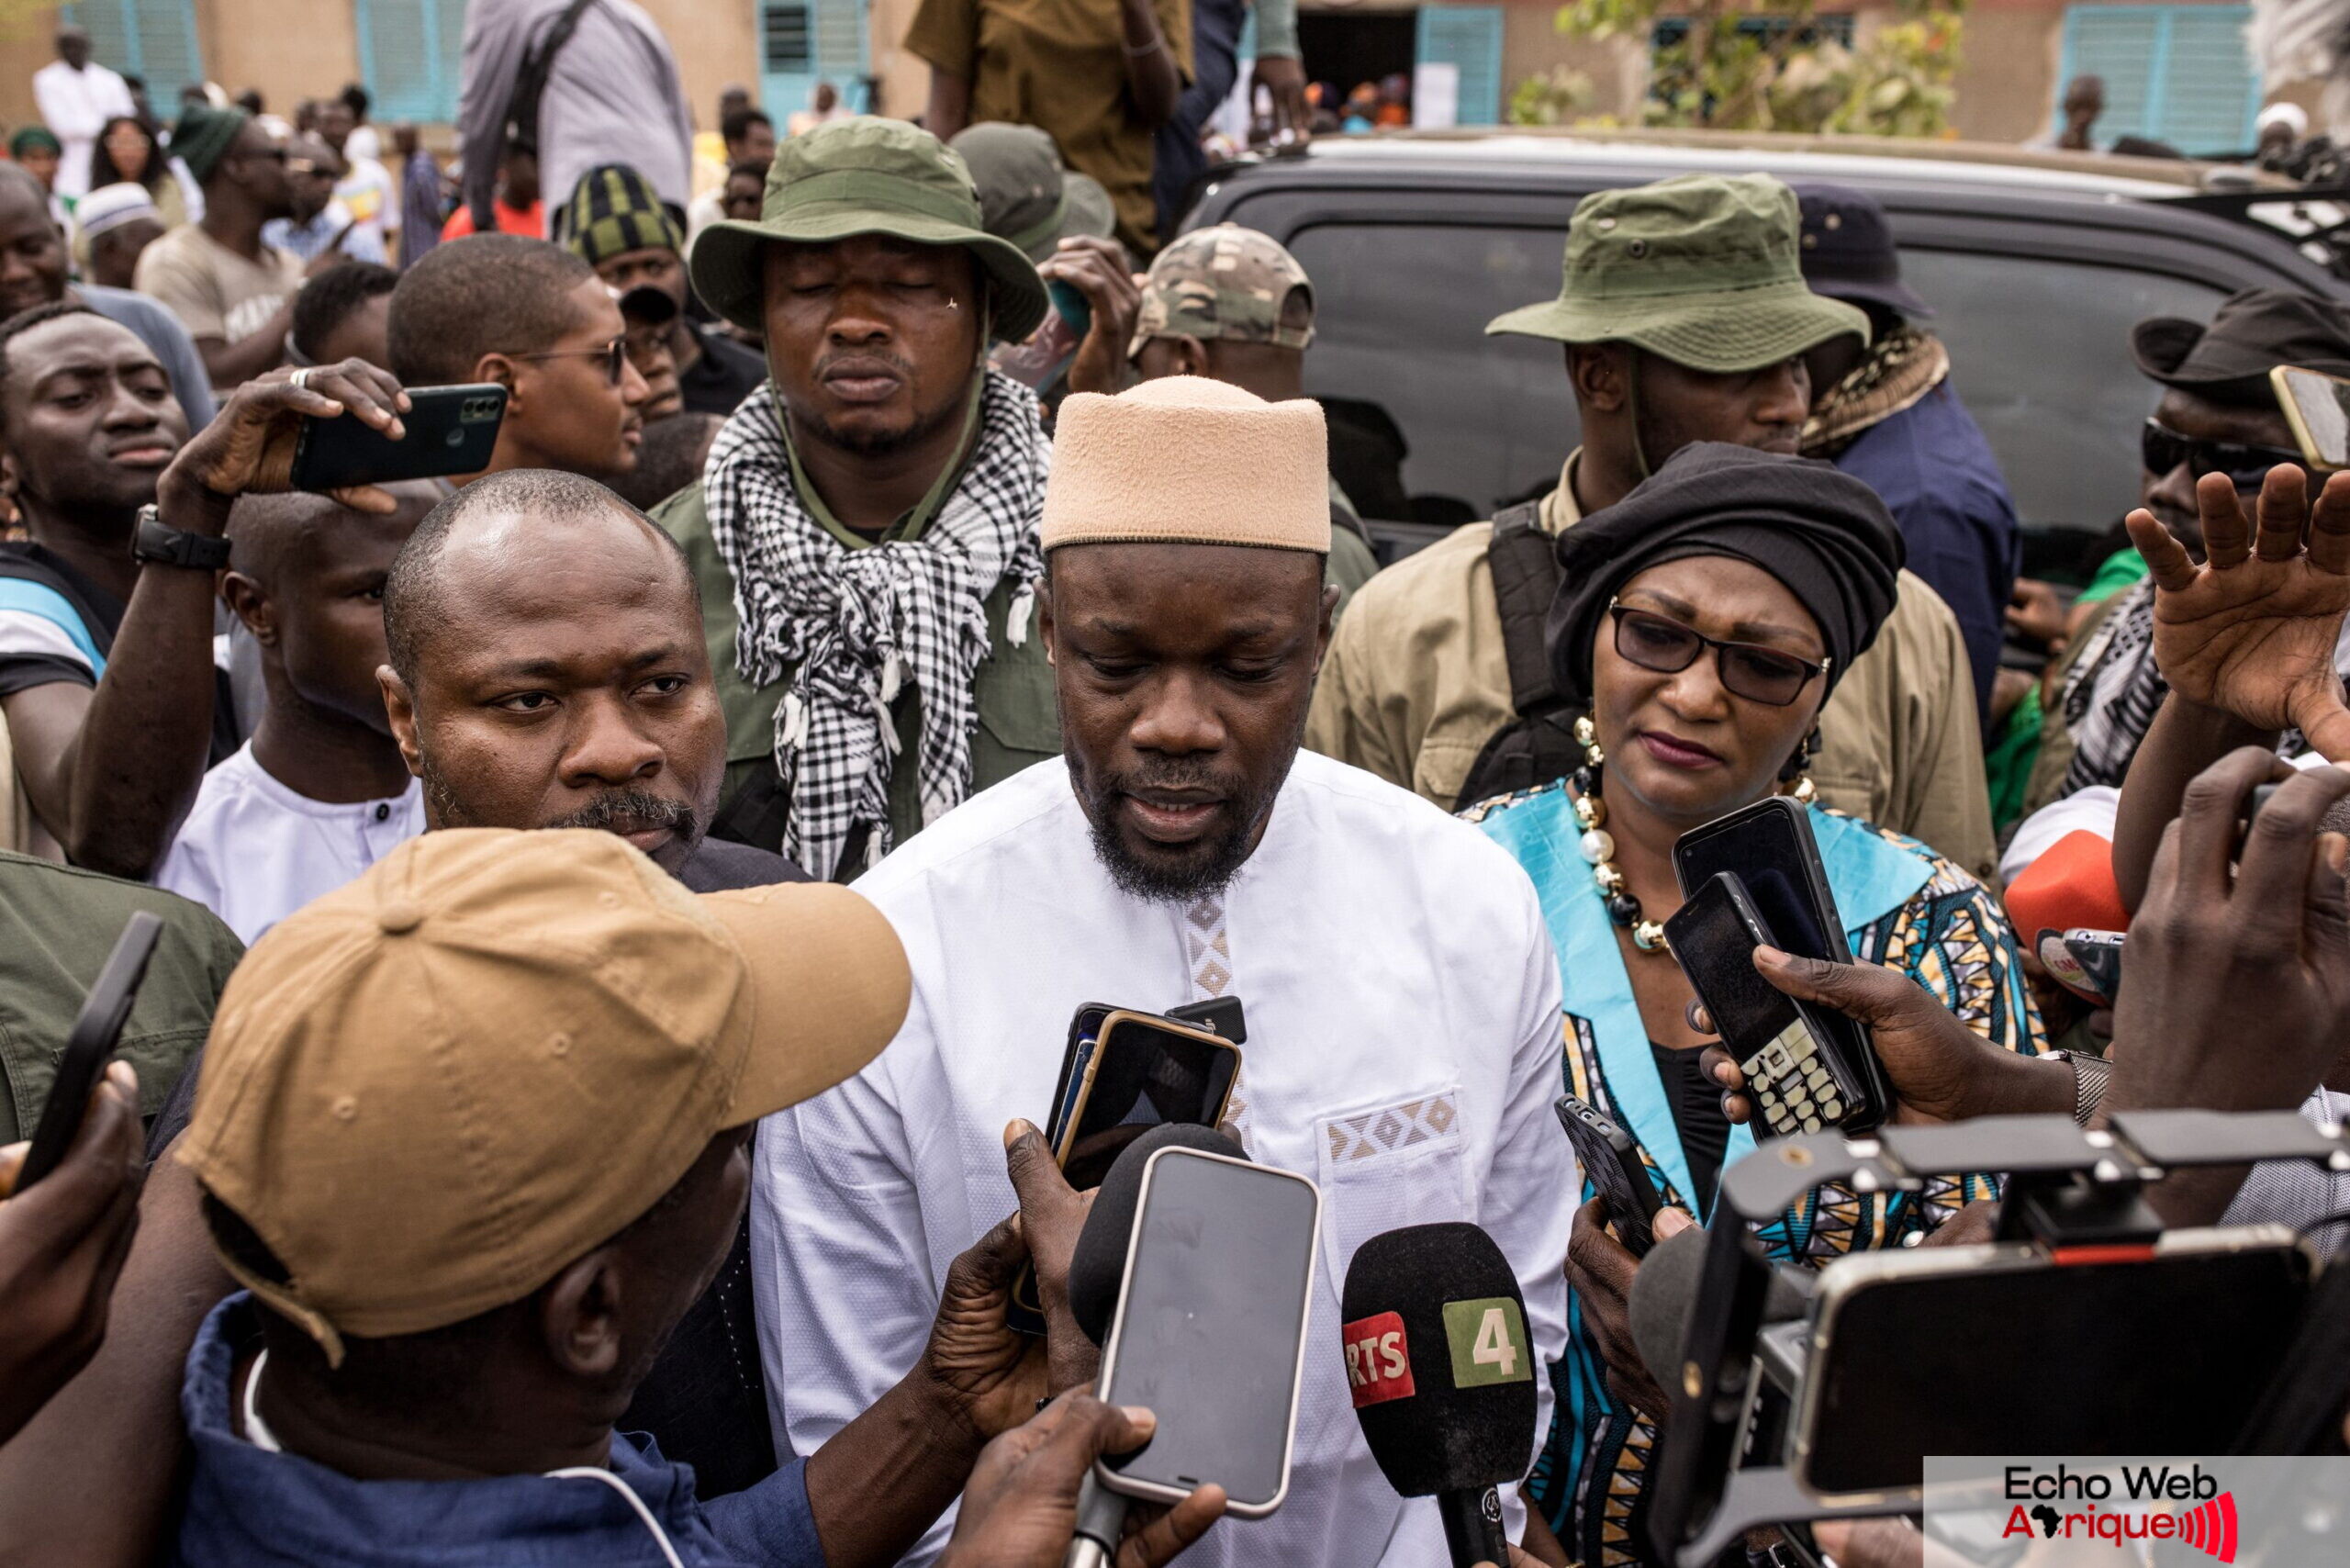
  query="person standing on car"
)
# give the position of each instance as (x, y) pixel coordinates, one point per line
(1099, 76)
(1885, 412)
(1684, 317)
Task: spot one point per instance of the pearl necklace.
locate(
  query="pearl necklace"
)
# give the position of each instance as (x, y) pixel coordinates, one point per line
(1598, 845)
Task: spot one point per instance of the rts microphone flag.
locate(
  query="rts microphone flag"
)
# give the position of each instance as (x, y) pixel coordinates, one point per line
(1443, 1374)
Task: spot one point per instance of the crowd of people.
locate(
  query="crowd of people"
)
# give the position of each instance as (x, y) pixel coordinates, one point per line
(622, 906)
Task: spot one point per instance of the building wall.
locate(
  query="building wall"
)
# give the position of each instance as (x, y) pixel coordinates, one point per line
(247, 44)
(2007, 73)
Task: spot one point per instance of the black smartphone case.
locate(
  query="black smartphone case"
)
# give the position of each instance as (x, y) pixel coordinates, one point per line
(448, 429)
(1845, 1036)
(1614, 1164)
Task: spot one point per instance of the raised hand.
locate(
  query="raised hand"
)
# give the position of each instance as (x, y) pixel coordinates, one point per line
(2253, 629)
(249, 446)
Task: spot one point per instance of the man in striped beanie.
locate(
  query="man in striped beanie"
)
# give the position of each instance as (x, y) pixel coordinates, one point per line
(616, 223)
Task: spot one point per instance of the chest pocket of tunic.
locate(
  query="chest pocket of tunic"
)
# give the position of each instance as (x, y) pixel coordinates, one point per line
(1395, 1164)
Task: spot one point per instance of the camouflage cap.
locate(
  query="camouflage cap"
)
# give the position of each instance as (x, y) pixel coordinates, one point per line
(1226, 282)
(1699, 269)
(865, 176)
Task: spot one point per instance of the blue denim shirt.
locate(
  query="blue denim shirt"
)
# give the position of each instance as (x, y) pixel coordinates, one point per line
(250, 1508)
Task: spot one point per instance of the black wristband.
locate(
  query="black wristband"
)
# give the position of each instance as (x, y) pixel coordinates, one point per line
(155, 542)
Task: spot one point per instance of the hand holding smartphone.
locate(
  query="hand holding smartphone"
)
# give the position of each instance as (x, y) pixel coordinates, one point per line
(96, 1031)
(447, 430)
(1793, 1074)
(1769, 849)
(1613, 1162)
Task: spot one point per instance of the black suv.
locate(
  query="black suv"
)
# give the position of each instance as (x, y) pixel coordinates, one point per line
(2036, 273)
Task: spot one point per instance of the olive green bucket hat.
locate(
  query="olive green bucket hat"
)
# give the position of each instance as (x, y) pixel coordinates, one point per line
(1699, 269)
(865, 176)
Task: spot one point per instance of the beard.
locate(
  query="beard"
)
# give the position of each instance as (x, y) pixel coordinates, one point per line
(1185, 873)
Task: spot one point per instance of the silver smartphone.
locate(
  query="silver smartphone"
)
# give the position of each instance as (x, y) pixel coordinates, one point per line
(1210, 1332)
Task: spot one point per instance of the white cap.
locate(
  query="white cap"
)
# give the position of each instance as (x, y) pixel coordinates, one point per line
(111, 206)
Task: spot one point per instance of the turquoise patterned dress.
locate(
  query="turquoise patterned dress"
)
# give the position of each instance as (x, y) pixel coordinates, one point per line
(1905, 907)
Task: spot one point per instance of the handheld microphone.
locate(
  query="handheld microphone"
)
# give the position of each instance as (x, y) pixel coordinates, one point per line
(1097, 1272)
(1442, 1374)
(2070, 888)
(1664, 1293)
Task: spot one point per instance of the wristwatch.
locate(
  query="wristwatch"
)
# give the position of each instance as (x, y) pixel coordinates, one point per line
(156, 540)
(2089, 1073)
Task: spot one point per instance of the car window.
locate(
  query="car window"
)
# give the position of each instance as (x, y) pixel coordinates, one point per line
(2038, 350)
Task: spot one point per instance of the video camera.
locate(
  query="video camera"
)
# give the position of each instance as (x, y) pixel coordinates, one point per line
(2086, 1326)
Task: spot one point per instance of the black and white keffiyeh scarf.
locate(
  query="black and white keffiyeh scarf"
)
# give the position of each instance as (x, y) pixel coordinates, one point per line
(2112, 692)
(857, 626)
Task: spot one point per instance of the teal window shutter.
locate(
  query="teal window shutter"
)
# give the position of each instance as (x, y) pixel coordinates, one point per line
(2174, 73)
(802, 42)
(410, 56)
(153, 40)
(1469, 37)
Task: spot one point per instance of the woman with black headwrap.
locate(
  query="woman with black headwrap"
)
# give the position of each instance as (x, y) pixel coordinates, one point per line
(1703, 621)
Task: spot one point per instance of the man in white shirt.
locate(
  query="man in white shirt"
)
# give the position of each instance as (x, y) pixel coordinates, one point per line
(320, 792)
(1401, 997)
(76, 98)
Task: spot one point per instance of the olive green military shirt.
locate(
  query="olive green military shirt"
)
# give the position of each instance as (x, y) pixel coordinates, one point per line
(57, 925)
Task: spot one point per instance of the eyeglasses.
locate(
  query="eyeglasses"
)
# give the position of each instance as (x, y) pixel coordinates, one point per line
(1747, 669)
(614, 354)
(2161, 449)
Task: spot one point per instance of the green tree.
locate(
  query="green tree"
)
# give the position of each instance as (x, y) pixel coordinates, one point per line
(1759, 66)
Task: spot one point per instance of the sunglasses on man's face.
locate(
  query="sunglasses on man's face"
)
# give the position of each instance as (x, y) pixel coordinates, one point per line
(614, 354)
(1660, 644)
(2161, 449)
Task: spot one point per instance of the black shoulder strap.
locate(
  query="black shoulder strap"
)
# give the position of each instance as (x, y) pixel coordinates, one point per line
(530, 85)
(1525, 578)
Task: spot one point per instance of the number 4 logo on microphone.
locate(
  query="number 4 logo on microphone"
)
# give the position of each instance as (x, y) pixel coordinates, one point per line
(1487, 1338)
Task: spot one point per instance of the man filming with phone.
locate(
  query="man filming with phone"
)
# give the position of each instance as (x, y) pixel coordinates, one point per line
(105, 644)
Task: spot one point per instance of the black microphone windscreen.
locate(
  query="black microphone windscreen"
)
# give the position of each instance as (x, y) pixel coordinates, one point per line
(1664, 1293)
(1437, 1358)
(1097, 1270)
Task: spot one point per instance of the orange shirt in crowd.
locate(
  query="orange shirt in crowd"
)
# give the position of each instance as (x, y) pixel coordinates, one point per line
(530, 224)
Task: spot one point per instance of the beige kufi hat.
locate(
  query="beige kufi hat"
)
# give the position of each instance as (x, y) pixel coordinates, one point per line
(1185, 460)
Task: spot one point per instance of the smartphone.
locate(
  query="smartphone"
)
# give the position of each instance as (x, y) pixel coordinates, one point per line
(1613, 1162)
(1768, 846)
(97, 1030)
(449, 430)
(2317, 407)
(1914, 1353)
(1123, 1073)
(1211, 1325)
(2097, 955)
(1792, 1074)
(1039, 360)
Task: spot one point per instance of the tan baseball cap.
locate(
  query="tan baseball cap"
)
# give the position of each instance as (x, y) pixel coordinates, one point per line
(430, 1090)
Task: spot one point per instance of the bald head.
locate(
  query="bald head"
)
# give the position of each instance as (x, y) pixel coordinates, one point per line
(548, 668)
(498, 520)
